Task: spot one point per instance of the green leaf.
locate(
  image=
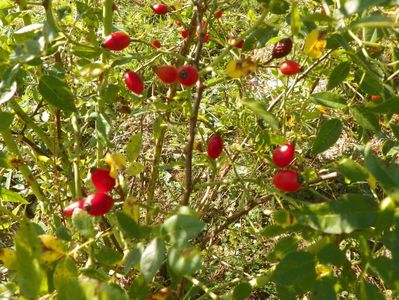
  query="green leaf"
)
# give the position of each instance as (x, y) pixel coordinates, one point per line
(66, 280)
(282, 248)
(28, 250)
(324, 290)
(7, 92)
(112, 292)
(4, 160)
(6, 4)
(364, 118)
(135, 168)
(329, 133)
(389, 106)
(242, 291)
(260, 109)
(297, 270)
(131, 228)
(355, 6)
(184, 261)
(133, 148)
(338, 75)
(104, 129)
(56, 92)
(259, 37)
(345, 215)
(329, 100)
(296, 22)
(152, 258)
(139, 289)
(108, 256)
(182, 228)
(11, 196)
(371, 85)
(386, 176)
(132, 258)
(83, 223)
(6, 119)
(352, 170)
(375, 20)
(98, 274)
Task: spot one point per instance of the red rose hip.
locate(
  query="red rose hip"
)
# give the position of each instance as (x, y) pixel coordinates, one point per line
(184, 33)
(134, 82)
(68, 211)
(287, 181)
(282, 48)
(102, 181)
(98, 204)
(188, 75)
(238, 44)
(284, 155)
(218, 14)
(160, 8)
(375, 97)
(156, 44)
(290, 67)
(117, 41)
(215, 146)
(167, 74)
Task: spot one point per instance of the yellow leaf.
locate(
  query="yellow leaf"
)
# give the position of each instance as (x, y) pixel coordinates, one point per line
(8, 258)
(323, 270)
(240, 68)
(49, 256)
(315, 43)
(50, 242)
(116, 162)
(131, 208)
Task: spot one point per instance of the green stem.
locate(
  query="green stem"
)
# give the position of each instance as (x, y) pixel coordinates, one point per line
(107, 16)
(26, 172)
(76, 159)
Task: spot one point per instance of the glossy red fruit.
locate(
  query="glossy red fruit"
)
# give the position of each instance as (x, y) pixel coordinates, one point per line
(215, 146)
(205, 39)
(68, 211)
(290, 67)
(188, 75)
(287, 181)
(238, 44)
(98, 204)
(185, 33)
(134, 82)
(101, 180)
(284, 155)
(375, 98)
(117, 41)
(282, 48)
(160, 8)
(156, 44)
(218, 14)
(167, 74)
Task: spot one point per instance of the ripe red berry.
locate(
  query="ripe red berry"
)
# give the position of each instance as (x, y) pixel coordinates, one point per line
(375, 97)
(117, 41)
(290, 67)
(218, 14)
(160, 8)
(238, 44)
(188, 75)
(205, 39)
(134, 82)
(215, 146)
(167, 74)
(284, 155)
(287, 181)
(282, 48)
(98, 204)
(102, 180)
(68, 211)
(185, 33)
(156, 44)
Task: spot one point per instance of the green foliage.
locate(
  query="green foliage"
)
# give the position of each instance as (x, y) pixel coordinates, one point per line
(184, 225)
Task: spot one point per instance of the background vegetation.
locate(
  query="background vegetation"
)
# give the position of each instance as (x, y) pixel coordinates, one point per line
(184, 226)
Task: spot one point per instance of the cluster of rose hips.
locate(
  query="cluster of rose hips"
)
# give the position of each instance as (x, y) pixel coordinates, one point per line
(286, 180)
(281, 49)
(98, 203)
